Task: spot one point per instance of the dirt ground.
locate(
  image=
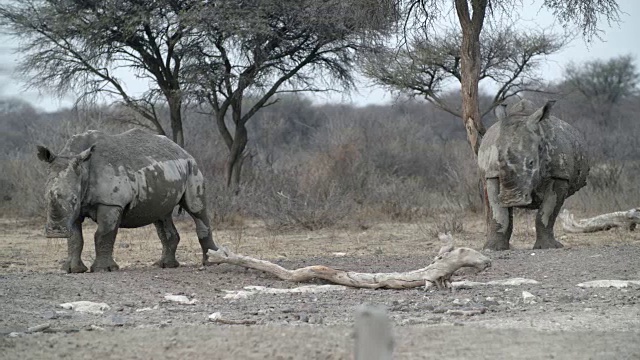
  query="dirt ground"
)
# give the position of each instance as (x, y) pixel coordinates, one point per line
(563, 321)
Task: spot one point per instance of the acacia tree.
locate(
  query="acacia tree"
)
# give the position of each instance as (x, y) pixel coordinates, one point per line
(429, 65)
(471, 15)
(80, 45)
(250, 51)
(603, 83)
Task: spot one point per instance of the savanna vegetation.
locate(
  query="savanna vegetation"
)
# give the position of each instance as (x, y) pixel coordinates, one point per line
(229, 86)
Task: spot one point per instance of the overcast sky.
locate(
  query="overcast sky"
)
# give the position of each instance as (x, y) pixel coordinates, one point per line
(616, 40)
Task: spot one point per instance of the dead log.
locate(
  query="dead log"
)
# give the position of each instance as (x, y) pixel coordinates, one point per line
(624, 219)
(438, 273)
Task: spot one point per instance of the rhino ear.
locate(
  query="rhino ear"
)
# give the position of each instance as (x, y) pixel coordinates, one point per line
(45, 154)
(541, 114)
(501, 112)
(84, 156)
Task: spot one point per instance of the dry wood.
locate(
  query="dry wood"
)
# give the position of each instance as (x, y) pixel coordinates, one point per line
(446, 263)
(625, 219)
(374, 337)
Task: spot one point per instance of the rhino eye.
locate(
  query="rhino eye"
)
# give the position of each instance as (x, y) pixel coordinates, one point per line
(530, 163)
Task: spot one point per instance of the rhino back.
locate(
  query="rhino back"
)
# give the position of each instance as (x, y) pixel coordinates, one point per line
(141, 172)
(565, 150)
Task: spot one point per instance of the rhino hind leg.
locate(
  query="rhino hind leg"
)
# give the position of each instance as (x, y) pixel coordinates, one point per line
(108, 219)
(194, 203)
(75, 243)
(552, 202)
(499, 219)
(170, 238)
(203, 229)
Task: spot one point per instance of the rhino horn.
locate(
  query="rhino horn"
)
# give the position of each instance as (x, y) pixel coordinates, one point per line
(45, 154)
(540, 114)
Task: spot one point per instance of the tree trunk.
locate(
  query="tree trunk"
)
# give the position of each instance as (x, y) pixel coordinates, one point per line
(471, 25)
(175, 115)
(236, 158)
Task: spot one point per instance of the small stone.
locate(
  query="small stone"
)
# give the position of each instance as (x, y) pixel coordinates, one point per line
(38, 328)
(439, 310)
(49, 315)
(118, 320)
(287, 310)
(315, 320)
(304, 317)
(528, 298)
(15, 334)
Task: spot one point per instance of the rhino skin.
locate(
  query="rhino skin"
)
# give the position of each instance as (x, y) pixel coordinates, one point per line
(126, 180)
(530, 160)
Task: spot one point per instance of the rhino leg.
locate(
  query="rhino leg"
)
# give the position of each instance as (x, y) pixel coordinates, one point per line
(499, 219)
(170, 238)
(194, 203)
(75, 243)
(108, 219)
(554, 197)
(203, 229)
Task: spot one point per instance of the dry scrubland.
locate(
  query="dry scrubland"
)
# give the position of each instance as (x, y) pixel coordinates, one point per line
(376, 184)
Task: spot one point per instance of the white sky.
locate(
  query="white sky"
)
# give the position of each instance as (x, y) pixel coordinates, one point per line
(617, 39)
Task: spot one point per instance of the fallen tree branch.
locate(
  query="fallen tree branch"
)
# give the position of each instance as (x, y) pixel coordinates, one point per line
(625, 219)
(446, 263)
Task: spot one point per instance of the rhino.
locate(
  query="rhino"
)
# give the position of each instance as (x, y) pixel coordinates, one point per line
(126, 180)
(529, 160)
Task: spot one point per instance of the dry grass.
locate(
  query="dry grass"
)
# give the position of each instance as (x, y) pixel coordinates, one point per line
(24, 248)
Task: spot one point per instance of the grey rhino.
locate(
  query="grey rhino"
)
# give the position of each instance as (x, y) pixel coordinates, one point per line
(529, 160)
(126, 180)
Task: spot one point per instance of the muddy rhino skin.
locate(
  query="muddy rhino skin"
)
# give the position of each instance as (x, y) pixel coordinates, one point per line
(531, 160)
(126, 180)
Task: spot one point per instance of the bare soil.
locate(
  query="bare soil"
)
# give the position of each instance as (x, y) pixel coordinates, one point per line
(563, 322)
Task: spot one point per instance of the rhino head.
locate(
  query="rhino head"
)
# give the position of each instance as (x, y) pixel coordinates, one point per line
(64, 189)
(520, 152)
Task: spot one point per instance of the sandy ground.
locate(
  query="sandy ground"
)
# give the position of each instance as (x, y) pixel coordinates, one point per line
(563, 321)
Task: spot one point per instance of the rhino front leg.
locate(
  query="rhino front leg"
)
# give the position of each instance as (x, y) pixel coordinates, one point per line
(554, 197)
(108, 218)
(499, 219)
(170, 238)
(75, 243)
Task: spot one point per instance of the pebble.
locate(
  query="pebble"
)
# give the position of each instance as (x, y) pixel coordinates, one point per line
(49, 315)
(38, 328)
(304, 317)
(118, 320)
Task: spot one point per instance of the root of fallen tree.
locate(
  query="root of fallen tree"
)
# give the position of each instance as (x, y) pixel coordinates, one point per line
(438, 273)
(624, 219)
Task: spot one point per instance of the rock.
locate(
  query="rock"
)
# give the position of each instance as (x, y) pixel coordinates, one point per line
(38, 328)
(86, 307)
(618, 284)
(15, 334)
(118, 320)
(49, 315)
(528, 298)
(304, 317)
(315, 319)
(180, 299)
(96, 328)
(215, 316)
